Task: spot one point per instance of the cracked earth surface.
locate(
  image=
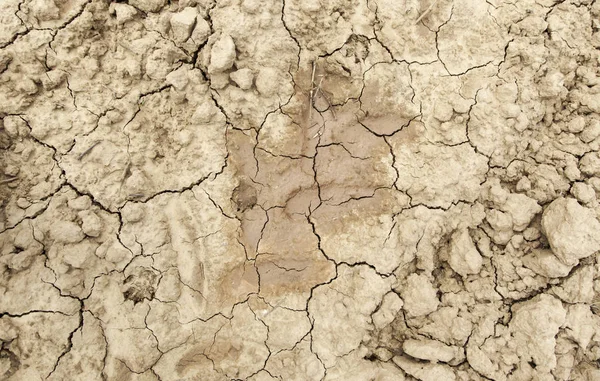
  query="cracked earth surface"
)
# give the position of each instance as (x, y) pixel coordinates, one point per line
(299, 190)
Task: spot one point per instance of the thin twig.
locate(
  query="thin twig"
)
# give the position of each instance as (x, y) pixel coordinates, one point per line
(126, 172)
(9, 180)
(319, 131)
(88, 150)
(426, 11)
(314, 70)
(312, 89)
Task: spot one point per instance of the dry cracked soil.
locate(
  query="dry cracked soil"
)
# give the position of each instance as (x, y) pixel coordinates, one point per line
(299, 190)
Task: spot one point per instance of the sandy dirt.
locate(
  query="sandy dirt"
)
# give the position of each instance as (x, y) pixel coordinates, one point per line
(299, 190)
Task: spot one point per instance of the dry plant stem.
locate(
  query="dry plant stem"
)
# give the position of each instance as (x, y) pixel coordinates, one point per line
(426, 11)
(319, 132)
(312, 90)
(87, 151)
(126, 173)
(9, 180)
(319, 85)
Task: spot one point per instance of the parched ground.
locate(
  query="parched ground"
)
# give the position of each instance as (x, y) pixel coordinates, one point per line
(299, 190)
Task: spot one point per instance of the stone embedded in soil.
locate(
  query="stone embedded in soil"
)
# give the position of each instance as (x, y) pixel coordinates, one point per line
(534, 326)
(387, 312)
(124, 12)
(578, 288)
(430, 350)
(572, 230)
(448, 325)
(522, 209)
(419, 295)
(463, 255)
(244, 78)
(545, 263)
(500, 226)
(183, 22)
(222, 54)
(581, 324)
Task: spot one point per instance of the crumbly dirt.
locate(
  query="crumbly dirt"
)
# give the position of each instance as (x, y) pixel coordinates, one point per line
(299, 190)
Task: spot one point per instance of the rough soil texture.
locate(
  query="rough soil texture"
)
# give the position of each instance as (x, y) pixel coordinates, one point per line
(299, 190)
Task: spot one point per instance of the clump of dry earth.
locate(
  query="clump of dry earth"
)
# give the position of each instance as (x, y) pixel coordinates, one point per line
(299, 190)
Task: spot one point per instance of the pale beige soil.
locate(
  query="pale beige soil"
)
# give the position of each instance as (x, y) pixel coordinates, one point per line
(299, 190)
